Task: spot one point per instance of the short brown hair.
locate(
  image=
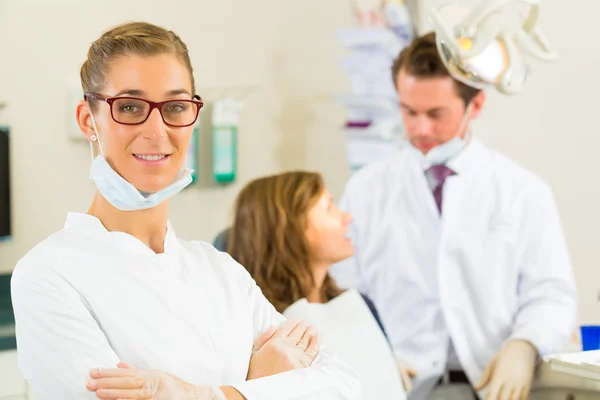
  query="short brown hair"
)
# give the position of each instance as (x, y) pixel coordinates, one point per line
(268, 236)
(421, 59)
(138, 38)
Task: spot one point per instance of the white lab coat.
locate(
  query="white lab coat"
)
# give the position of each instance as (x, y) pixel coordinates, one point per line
(87, 298)
(494, 267)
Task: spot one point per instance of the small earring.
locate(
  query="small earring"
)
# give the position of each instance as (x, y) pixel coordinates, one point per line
(93, 138)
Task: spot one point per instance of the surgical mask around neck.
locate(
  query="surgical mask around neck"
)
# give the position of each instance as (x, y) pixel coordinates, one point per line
(444, 152)
(122, 194)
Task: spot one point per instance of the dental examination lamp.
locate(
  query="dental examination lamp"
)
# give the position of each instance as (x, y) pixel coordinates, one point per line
(492, 44)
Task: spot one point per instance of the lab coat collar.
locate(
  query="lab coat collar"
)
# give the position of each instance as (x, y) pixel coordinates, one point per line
(86, 225)
(467, 157)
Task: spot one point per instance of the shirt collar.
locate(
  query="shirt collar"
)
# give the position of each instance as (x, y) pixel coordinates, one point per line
(89, 226)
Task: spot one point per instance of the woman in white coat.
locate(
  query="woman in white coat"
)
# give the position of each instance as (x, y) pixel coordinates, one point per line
(287, 232)
(117, 287)
(460, 249)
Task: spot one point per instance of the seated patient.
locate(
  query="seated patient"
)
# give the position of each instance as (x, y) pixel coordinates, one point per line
(287, 232)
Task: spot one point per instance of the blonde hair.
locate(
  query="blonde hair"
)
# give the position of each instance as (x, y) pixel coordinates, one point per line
(137, 38)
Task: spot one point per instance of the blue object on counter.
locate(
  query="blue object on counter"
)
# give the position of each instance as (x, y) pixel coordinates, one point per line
(590, 337)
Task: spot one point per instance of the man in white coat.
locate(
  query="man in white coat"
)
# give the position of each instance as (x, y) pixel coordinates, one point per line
(460, 248)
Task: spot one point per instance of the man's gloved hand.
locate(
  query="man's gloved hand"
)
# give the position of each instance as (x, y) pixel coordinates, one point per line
(509, 375)
(406, 374)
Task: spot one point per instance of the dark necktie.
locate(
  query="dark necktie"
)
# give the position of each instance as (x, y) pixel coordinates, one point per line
(439, 173)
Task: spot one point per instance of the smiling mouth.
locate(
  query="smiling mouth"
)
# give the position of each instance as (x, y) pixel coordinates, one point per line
(151, 157)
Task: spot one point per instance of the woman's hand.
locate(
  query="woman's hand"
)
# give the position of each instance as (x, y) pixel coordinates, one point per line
(126, 382)
(294, 345)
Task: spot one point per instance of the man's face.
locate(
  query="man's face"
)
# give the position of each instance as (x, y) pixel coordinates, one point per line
(432, 110)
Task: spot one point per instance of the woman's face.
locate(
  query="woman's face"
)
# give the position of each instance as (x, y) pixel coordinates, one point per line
(327, 227)
(151, 154)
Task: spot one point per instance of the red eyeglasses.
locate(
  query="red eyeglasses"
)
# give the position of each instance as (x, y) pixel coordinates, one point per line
(135, 111)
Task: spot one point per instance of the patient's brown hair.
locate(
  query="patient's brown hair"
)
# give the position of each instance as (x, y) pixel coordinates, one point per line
(268, 236)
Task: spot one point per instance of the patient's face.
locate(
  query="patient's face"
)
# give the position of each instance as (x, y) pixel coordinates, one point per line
(326, 232)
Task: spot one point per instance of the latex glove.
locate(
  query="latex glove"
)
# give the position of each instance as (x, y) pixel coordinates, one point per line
(294, 345)
(510, 374)
(406, 374)
(126, 382)
(369, 13)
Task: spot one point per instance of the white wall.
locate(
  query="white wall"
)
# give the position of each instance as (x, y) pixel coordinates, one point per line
(288, 49)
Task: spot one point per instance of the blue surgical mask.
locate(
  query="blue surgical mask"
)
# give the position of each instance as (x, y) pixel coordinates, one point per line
(122, 194)
(446, 151)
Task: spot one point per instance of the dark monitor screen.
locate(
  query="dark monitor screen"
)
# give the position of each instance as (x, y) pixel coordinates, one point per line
(5, 227)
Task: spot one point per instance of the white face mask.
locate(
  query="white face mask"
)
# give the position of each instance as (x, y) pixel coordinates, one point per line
(444, 152)
(122, 194)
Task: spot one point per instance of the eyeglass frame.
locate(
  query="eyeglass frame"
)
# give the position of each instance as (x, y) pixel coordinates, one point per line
(158, 105)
